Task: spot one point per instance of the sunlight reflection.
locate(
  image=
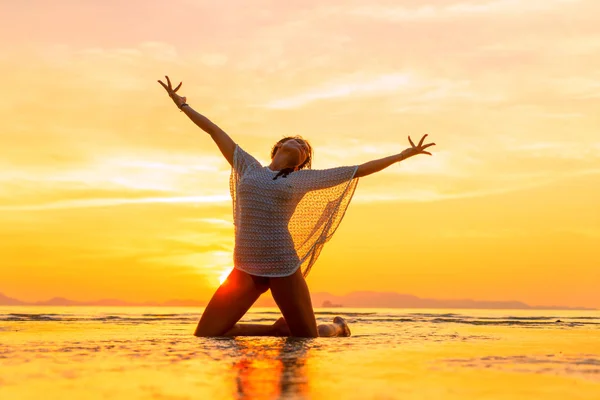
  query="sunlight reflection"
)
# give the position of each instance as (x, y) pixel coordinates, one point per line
(271, 368)
(225, 274)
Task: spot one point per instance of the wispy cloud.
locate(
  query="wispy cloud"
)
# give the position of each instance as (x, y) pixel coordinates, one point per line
(374, 85)
(216, 221)
(464, 9)
(89, 203)
(423, 195)
(427, 193)
(413, 90)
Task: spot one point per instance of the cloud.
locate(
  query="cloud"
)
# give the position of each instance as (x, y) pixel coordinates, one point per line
(33, 192)
(557, 150)
(411, 90)
(223, 223)
(374, 85)
(587, 44)
(430, 191)
(424, 195)
(214, 59)
(113, 202)
(114, 180)
(464, 9)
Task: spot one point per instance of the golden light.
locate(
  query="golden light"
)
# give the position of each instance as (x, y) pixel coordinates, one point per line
(224, 275)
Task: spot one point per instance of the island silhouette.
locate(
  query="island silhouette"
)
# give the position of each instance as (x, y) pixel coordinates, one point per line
(364, 299)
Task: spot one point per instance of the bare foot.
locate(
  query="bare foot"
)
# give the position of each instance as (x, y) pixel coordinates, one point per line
(341, 322)
(281, 327)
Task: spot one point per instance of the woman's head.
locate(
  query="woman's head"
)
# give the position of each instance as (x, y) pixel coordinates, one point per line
(299, 148)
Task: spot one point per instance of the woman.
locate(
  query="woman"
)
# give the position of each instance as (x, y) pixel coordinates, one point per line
(283, 215)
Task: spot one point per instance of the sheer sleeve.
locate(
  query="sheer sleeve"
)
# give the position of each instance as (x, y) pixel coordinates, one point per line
(308, 180)
(242, 163)
(323, 197)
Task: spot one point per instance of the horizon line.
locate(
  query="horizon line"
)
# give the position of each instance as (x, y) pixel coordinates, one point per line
(113, 302)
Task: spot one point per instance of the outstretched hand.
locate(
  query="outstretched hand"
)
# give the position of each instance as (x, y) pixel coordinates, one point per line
(417, 149)
(179, 100)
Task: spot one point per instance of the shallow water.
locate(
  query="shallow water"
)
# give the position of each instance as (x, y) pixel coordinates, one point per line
(149, 353)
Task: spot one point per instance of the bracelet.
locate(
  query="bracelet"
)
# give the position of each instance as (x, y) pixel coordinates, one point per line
(183, 104)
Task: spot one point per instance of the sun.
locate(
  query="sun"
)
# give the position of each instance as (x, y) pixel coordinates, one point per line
(224, 275)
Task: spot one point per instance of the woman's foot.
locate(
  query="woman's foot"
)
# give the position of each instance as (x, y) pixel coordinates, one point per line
(343, 326)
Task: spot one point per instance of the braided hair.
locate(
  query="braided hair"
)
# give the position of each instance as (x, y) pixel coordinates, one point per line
(306, 164)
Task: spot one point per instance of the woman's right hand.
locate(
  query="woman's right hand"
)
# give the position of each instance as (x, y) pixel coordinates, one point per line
(179, 100)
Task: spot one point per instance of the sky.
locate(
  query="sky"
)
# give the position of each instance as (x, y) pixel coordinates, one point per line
(108, 191)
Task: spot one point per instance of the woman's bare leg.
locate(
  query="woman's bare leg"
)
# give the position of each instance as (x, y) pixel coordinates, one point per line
(237, 294)
(229, 303)
(293, 299)
(279, 328)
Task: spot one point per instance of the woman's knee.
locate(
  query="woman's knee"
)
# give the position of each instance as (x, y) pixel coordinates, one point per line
(216, 326)
(229, 303)
(208, 328)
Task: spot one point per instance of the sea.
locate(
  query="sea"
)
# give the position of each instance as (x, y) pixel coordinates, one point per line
(150, 353)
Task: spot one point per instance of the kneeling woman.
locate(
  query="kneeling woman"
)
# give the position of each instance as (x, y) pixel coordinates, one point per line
(283, 215)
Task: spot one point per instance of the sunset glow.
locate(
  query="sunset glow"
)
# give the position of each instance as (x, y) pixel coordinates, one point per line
(224, 275)
(108, 191)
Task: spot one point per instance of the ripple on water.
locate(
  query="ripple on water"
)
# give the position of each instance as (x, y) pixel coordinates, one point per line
(583, 365)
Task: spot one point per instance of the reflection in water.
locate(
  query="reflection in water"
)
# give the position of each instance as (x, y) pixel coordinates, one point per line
(271, 368)
(88, 353)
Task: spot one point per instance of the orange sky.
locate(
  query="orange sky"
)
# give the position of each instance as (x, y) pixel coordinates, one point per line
(107, 191)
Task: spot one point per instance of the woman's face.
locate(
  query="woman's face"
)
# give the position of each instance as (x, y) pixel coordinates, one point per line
(298, 149)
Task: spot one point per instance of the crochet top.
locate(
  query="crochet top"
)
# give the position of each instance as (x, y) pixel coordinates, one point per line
(281, 225)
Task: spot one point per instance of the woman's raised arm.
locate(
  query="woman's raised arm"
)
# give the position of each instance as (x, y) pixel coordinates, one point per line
(371, 167)
(222, 139)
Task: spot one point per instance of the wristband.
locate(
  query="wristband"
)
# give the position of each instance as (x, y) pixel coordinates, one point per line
(183, 104)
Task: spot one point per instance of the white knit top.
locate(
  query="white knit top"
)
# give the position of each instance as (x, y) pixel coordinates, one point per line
(282, 224)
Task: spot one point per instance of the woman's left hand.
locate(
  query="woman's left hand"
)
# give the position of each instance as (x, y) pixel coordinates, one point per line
(419, 149)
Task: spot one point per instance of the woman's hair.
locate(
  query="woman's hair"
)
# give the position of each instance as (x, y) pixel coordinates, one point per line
(306, 164)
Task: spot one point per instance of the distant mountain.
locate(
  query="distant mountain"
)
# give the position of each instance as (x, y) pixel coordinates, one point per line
(398, 300)
(8, 301)
(61, 301)
(354, 299)
(58, 301)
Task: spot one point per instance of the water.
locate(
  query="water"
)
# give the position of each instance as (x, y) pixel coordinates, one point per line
(149, 353)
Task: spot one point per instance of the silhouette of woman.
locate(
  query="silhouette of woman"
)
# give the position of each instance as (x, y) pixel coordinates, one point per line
(284, 213)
